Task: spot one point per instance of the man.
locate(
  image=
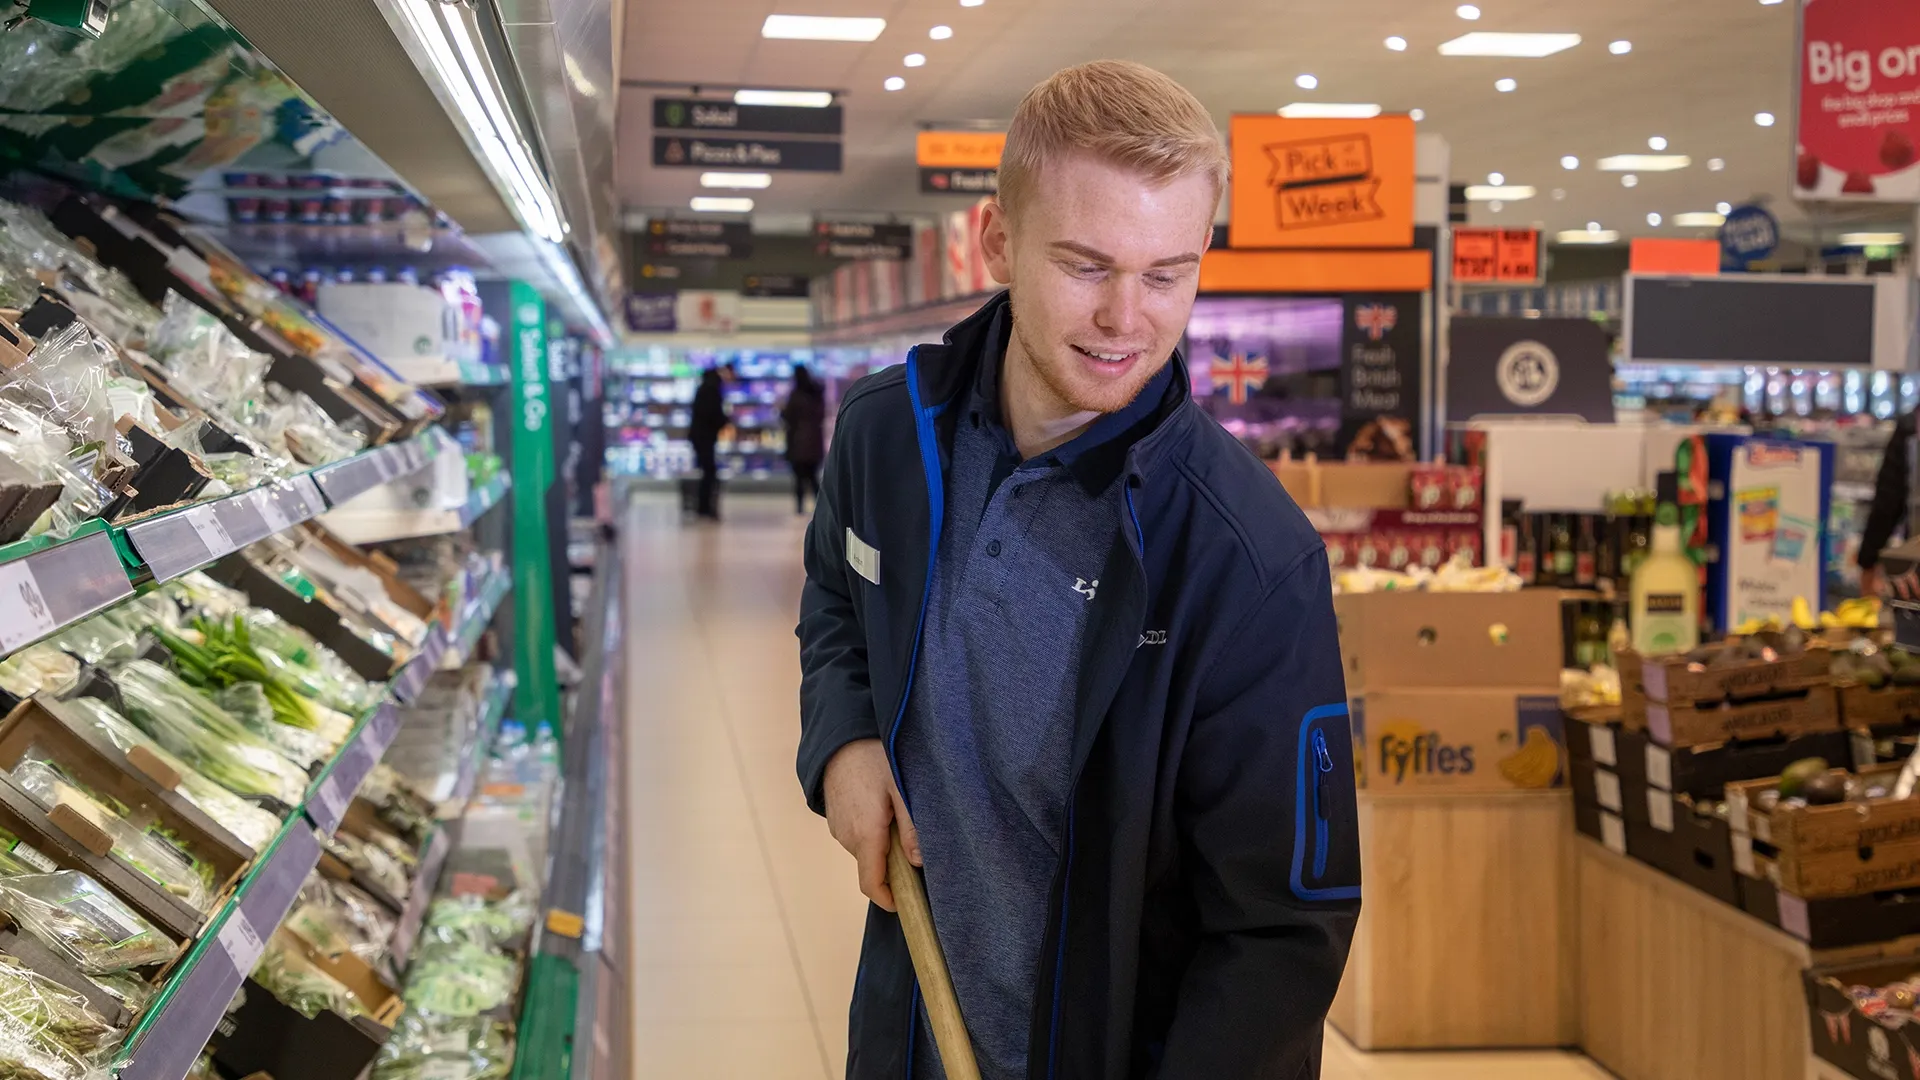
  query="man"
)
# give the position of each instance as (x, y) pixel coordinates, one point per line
(1888, 511)
(1066, 620)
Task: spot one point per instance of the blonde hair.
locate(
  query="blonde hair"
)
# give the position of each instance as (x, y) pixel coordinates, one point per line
(1119, 111)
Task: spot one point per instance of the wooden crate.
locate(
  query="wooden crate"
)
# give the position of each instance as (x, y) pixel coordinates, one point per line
(1466, 924)
(1672, 679)
(1889, 707)
(1846, 849)
(1675, 985)
(1633, 693)
(1815, 711)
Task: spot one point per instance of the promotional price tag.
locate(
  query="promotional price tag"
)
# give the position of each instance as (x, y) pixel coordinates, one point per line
(24, 615)
(242, 942)
(213, 534)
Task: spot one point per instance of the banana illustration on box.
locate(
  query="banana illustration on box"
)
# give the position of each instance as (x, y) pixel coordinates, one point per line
(1536, 764)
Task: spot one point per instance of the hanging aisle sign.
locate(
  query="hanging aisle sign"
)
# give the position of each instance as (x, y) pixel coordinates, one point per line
(1858, 109)
(775, 155)
(959, 162)
(690, 114)
(1322, 183)
(862, 240)
(683, 239)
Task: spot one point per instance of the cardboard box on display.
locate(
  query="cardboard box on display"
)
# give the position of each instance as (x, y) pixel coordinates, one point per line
(1425, 741)
(1451, 640)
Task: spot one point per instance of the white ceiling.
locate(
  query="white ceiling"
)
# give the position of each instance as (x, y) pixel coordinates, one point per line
(1698, 72)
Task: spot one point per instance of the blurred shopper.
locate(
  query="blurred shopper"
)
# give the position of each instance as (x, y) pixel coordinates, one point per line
(1062, 617)
(1888, 511)
(805, 416)
(703, 431)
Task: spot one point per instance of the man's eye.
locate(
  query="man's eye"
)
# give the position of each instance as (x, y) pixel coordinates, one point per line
(1088, 270)
(1162, 281)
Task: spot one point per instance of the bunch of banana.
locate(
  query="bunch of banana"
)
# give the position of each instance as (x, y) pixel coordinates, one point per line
(1859, 613)
(1536, 764)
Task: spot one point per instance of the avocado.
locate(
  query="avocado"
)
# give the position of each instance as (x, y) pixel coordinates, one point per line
(1824, 790)
(1793, 641)
(1884, 663)
(1793, 778)
(1705, 654)
(1872, 677)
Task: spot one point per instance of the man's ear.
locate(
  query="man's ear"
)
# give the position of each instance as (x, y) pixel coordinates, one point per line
(995, 243)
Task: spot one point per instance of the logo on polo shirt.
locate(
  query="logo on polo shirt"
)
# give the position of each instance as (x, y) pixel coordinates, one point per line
(1152, 637)
(1086, 588)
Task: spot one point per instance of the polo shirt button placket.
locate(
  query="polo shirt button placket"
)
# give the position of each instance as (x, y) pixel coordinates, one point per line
(993, 549)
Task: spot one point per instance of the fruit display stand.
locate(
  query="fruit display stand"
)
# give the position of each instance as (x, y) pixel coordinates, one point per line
(1466, 927)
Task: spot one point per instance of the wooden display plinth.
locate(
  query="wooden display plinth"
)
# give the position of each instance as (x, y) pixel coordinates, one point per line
(1676, 985)
(1466, 935)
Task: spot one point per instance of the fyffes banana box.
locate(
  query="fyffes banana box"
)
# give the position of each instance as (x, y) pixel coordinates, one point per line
(1442, 740)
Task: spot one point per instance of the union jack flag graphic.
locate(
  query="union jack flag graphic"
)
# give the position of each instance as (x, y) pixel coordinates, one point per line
(1376, 319)
(1241, 375)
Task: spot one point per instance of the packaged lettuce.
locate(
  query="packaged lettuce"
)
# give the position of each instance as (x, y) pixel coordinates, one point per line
(186, 722)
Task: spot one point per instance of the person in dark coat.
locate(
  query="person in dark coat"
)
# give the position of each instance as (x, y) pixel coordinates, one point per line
(709, 420)
(1888, 512)
(805, 416)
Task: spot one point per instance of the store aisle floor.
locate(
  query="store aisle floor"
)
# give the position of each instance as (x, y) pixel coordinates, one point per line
(746, 918)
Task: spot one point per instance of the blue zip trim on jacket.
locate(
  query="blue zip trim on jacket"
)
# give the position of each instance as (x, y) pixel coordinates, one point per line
(1323, 761)
(1301, 809)
(936, 513)
(1060, 950)
(1139, 533)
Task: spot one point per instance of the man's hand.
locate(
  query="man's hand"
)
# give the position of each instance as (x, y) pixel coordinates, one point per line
(862, 805)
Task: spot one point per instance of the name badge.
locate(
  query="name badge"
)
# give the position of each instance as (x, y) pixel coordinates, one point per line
(863, 557)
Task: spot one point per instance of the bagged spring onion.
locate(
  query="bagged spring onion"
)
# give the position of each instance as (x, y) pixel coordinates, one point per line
(184, 721)
(36, 668)
(322, 674)
(47, 1032)
(226, 657)
(165, 865)
(248, 823)
(445, 1048)
(70, 913)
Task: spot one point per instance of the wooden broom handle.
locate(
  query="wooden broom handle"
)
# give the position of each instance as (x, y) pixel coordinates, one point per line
(936, 986)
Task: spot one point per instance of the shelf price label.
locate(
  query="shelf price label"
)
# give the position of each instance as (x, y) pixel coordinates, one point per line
(211, 532)
(330, 803)
(269, 503)
(309, 493)
(24, 614)
(242, 942)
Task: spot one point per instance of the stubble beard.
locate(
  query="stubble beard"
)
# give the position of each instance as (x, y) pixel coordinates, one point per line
(1067, 397)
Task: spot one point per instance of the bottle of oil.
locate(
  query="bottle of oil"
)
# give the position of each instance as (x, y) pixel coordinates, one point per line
(1665, 590)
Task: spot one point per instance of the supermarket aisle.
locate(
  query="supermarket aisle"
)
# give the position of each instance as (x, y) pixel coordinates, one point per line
(747, 921)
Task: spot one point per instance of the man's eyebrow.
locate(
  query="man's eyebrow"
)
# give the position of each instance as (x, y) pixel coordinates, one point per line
(1095, 255)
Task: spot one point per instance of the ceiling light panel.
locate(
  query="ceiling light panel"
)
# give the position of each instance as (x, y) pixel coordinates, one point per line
(1584, 236)
(1486, 43)
(821, 28)
(1872, 239)
(793, 99)
(1502, 192)
(722, 204)
(1644, 163)
(1328, 110)
(1700, 219)
(736, 180)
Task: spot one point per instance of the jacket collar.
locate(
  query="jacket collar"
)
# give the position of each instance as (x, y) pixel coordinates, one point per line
(1148, 443)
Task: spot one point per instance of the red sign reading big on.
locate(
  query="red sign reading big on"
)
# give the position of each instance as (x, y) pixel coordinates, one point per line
(1859, 101)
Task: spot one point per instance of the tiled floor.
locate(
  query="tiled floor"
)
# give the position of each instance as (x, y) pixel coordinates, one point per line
(746, 918)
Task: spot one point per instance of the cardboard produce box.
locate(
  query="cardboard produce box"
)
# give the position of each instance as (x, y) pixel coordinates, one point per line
(265, 1036)
(1450, 740)
(1456, 640)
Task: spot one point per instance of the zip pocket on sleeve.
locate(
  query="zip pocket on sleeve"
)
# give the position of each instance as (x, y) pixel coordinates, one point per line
(1326, 843)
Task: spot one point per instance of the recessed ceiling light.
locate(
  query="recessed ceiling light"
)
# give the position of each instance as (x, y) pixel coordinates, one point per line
(914, 59)
(1467, 12)
(1643, 162)
(1715, 164)
(736, 180)
(940, 33)
(801, 99)
(895, 82)
(1629, 180)
(1496, 179)
(821, 28)
(1764, 119)
(1724, 208)
(1328, 110)
(1770, 3)
(1654, 220)
(717, 204)
(1620, 48)
(1871, 239)
(1559, 194)
(971, 3)
(1588, 236)
(1496, 206)
(1593, 226)
(1569, 162)
(1506, 86)
(1658, 142)
(1490, 192)
(1700, 219)
(1491, 43)
(1305, 82)
(1418, 115)
(1397, 43)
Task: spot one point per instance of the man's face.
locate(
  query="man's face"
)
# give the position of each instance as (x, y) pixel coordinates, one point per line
(1103, 266)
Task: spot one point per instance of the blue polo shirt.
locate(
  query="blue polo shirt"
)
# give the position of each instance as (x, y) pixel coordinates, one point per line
(985, 749)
